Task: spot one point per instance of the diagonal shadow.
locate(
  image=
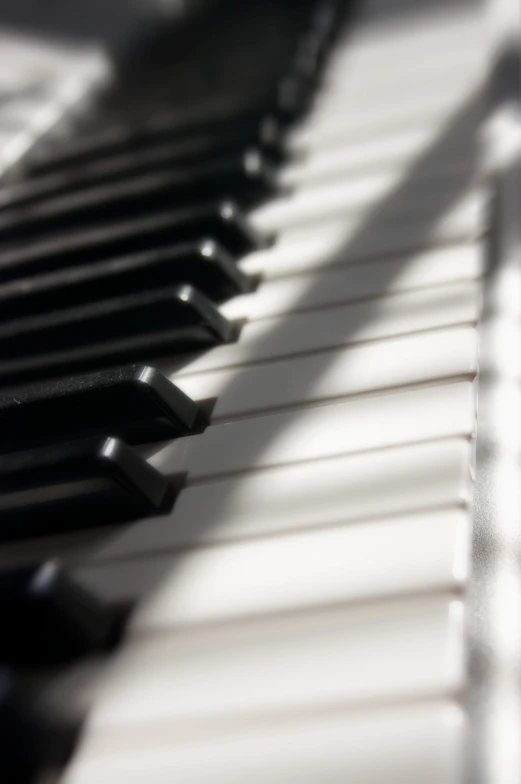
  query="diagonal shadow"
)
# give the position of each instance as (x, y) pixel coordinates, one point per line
(406, 201)
(417, 203)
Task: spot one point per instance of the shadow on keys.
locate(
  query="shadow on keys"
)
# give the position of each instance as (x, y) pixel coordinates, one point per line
(135, 563)
(141, 550)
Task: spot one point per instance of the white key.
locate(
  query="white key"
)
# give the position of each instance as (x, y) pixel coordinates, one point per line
(311, 434)
(296, 497)
(372, 52)
(401, 650)
(314, 280)
(424, 32)
(372, 121)
(340, 242)
(350, 104)
(293, 334)
(343, 81)
(348, 81)
(354, 195)
(391, 151)
(352, 563)
(414, 742)
(362, 104)
(404, 361)
(335, 286)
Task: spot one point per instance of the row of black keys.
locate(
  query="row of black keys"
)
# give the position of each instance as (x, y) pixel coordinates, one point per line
(65, 451)
(129, 265)
(125, 235)
(74, 316)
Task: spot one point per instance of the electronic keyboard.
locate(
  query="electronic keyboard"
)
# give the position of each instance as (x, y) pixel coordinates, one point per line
(254, 527)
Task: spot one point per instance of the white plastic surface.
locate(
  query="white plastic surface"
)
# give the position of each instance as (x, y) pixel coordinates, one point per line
(335, 657)
(307, 331)
(365, 369)
(308, 495)
(341, 564)
(414, 743)
(308, 434)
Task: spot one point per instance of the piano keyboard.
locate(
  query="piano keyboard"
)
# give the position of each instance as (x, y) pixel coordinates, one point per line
(299, 613)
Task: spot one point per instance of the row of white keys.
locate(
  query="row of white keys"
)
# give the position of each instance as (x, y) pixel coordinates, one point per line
(429, 109)
(321, 288)
(371, 121)
(441, 158)
(311, 434)
(390, 152)
(290, 334)
(366, 102)
(424, 358)
(296, 497)
(368, 424)
(348, 82)
(417, 742)
(426, 30)
(343, 241)
(346, 563)
(273, 665)
(345, 195)
(304, 434)
(437, 37)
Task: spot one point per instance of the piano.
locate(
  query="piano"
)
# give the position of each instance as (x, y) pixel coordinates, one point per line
(257, 269)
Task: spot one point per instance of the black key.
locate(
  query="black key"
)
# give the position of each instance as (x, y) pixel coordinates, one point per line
(160, 126)
(135, 403)
(48, 618)
(298, 86)
(309, 57)
(294, 95)
(223, 223)
(243, 176)
(32, 741)
(145, 158)
(77, 485)
(109, 332)
(204, 265)
(313, 46)
(328, 18)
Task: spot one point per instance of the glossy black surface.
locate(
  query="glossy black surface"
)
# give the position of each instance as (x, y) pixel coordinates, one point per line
(130, 149)
(79, 484)
(204, 265)
(171, 320)
(223, 68)
(49, 618)
(222, 222)
(246, 177)
(135, 403)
